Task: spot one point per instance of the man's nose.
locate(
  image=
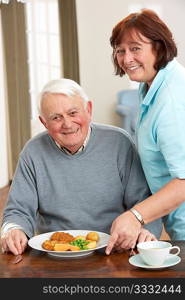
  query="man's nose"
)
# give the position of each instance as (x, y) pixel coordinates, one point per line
(66, 122)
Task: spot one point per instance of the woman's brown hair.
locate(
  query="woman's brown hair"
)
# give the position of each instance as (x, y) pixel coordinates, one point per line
(151, 26)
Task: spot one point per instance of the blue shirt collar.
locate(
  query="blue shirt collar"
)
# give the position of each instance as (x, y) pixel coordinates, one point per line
(146, 97)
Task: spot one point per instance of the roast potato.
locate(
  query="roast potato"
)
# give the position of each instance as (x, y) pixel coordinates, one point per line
(93, 236)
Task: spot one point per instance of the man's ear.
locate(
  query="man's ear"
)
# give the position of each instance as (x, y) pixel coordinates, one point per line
(89, 107)
(43, 122)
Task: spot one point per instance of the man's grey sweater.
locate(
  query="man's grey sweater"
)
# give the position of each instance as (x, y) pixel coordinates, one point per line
(54, 191)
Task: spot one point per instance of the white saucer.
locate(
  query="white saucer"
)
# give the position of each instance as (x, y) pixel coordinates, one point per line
(137, 261)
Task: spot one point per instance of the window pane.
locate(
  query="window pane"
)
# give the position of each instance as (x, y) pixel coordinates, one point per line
(44, 54)
(30, 46)
(29, 16)
(42, 48)
(54, 50)
(33, 104)
(43, 76)
(53, 19)
(40, 17)
(55, 73)
(32, 78)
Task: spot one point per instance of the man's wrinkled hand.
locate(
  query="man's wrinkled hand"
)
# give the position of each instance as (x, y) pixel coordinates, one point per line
(146, 236)
(15, 241)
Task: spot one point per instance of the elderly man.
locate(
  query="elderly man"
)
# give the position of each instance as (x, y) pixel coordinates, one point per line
(75, 175)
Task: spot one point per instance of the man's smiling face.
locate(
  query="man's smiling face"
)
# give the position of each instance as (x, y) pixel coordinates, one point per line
(67, 119)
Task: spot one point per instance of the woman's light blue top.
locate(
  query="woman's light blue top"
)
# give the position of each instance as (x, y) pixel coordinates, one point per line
(161, 136)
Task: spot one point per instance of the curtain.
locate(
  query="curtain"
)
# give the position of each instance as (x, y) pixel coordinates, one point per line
(15, 56)
(69, 39)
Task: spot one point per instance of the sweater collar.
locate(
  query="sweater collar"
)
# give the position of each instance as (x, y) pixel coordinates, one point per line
(81, 148)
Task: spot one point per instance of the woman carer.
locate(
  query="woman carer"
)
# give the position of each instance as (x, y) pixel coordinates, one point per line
(144, 49)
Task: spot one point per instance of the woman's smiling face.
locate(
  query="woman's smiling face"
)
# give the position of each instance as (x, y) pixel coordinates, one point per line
(135, 55)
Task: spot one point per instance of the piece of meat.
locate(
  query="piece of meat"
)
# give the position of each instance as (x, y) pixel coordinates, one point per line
(62, 237)
(49, 245)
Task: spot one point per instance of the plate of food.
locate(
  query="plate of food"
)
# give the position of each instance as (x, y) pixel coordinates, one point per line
(69, 243)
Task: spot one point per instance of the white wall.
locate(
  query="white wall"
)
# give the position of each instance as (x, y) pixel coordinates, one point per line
(96, 18)
(3, 133)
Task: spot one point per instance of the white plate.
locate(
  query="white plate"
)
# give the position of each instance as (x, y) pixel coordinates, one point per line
(137, 261)
(36, 243)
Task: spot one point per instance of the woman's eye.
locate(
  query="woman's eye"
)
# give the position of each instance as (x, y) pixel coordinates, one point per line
(120, 51)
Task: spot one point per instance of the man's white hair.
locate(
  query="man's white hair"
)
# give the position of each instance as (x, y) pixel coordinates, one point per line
(64, 86)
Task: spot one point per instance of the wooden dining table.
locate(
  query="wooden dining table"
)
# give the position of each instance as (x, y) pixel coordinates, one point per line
(38, 264)
(39, 274)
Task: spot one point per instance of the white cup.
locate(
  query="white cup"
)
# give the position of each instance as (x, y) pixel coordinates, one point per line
(154, 253)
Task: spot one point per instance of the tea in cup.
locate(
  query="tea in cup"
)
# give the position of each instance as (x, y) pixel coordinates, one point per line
(154, 253)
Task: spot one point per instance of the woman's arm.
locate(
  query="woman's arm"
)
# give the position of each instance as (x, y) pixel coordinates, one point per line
(167, 199)
(126, 228)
